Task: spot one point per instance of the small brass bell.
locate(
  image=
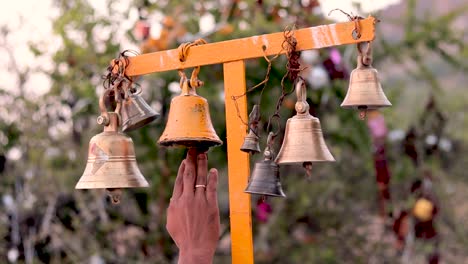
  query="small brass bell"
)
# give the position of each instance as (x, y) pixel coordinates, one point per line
(189, 123)
(111, 158)
(303, 140)
(135, 111)
(265, 178)
(365, 91)
(251, 144)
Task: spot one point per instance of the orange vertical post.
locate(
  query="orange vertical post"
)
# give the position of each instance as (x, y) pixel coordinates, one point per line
(238, 164)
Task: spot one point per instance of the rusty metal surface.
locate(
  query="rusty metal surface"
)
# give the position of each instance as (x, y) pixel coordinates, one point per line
(189, 122)
(111, 161)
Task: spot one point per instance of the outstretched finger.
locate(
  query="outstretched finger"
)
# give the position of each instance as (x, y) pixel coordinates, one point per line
(179, 182)
(190, 173)
(202, 173)
(212, 186)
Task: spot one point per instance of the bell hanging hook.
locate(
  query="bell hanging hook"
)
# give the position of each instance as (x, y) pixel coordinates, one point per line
(301, 106)
(364, 56)
(104, 119)
(268, 153)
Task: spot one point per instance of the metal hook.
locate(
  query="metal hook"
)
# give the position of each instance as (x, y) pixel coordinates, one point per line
(268, 153)
(103, 119)
(194, 81)
(364, 57)
(277, 117)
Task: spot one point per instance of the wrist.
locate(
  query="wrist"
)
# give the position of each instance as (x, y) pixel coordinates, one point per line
(188, 257)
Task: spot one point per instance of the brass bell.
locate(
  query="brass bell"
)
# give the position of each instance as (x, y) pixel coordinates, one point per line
(365, 91)
(251, 144)
(303, 140)
(111, 158)
(189, 123)
(265, 178)
(135, 111)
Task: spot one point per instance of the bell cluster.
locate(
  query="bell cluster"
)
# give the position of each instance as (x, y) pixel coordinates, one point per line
(112, 164)
(303, 141)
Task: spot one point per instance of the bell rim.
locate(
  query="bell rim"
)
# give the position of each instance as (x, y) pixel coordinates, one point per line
(248, 150)
(277, 161)
(369, 107)
(142, 123)
(267, 194)
(190, 142)
(141, 184)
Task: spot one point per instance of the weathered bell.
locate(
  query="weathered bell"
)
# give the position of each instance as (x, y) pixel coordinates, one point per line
(251, 144)
(189, 123)
(303, 140)
(136, 112)
(111, 161)
(265, 178)
(111, 157)
(365, 91)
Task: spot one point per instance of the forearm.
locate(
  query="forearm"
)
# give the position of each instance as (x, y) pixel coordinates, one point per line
(193, 258)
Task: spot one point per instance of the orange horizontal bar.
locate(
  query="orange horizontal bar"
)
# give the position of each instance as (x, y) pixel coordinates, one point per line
(251, 47)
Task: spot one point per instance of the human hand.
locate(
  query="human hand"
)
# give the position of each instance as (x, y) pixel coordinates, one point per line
(193, 213)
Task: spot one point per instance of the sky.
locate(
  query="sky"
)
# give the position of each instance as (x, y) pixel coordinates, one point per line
(30, 21)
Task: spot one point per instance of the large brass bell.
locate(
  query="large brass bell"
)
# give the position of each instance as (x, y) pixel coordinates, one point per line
(135, 112)
(189, 123)
(365, 91)
(251, 144)
(265, 178)
(303, 140)
(111, 158)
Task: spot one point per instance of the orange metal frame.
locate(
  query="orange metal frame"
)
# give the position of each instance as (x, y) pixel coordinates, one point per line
(232, 54)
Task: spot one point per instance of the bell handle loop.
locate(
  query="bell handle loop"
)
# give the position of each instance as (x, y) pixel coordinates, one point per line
(194, 81)
(277, 118)
(254, 116)
(186, 86)
(104, 119)
(267, 153)
(117, 97)
(364, 57)
(183, 50)
(301, 106)
(254, 119)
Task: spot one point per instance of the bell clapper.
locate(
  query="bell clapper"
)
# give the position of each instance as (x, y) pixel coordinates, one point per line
(115, 194)
(308, 168)
(362, 112)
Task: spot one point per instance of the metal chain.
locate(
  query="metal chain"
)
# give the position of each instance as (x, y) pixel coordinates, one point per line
(264, 83)
(293, 67)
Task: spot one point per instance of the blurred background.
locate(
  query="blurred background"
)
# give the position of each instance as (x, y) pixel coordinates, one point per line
(360, 209)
